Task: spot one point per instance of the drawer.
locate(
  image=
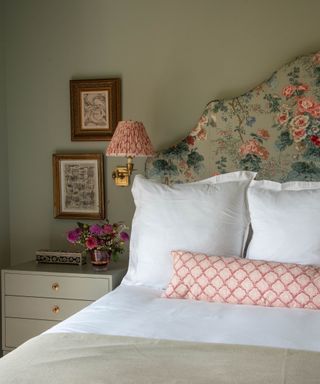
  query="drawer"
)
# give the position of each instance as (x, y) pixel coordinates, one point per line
(20, 330)
(67, 287)
(42, 308)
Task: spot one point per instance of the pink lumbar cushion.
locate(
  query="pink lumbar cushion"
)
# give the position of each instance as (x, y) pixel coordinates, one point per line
(242, 281)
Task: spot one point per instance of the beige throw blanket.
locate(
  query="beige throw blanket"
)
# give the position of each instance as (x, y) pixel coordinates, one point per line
(90, 359)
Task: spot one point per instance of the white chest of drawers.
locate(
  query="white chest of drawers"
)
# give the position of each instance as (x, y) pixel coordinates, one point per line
(37, 296)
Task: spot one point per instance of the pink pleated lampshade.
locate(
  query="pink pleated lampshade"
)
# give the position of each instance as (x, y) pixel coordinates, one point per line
(130, 139)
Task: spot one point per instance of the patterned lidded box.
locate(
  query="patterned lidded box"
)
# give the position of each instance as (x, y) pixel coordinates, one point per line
(60, 257)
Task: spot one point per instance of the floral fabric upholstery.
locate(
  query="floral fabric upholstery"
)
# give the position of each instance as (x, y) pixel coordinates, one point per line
(273, 129)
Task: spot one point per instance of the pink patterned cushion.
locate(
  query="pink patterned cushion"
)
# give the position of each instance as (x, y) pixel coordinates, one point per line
(242, 281)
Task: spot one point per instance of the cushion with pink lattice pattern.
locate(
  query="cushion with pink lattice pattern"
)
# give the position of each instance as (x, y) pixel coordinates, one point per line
(241, 281)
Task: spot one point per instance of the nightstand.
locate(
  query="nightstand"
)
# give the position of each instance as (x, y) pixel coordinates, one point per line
(37, 296)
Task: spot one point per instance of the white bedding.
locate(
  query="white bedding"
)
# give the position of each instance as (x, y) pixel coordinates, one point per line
(140, 311)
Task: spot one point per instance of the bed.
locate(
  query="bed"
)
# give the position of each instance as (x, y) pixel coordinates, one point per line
(179, 316)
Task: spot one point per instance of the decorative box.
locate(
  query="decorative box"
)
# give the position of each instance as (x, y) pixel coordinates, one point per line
(60, 257)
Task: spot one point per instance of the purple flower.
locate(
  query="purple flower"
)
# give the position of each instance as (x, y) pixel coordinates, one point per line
(124, 236)
(107, 228)
(91, 242)
(95, 229)
(100, 242)
(74, 235)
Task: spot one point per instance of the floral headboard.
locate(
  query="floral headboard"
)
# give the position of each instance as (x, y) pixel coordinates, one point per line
(273, 129)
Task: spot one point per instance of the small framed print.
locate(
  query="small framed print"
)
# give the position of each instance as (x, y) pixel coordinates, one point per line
(78, 186)
(95, 108)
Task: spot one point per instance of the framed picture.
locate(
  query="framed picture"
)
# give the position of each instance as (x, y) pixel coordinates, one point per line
(95, 109)
(78, 186)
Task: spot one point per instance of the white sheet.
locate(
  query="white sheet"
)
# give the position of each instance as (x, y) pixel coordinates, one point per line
(141, 312)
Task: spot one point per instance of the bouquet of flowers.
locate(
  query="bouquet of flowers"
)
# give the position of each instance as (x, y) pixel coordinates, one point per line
(106, 237)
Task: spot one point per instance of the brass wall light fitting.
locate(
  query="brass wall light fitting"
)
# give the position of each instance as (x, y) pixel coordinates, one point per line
(130, 140)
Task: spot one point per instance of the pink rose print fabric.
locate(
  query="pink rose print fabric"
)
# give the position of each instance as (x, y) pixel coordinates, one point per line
(273, 129)
(241, 281)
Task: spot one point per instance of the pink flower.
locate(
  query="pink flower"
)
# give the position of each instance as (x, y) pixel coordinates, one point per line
(263, 133)
(283, 117)
(305, 104)
(199, 132)
(254, 148)
(263, 153)
(202, 134)
(298, 127)
(107, 228)
(248, 147)
(303, 87)
(315, 140)
(288, 90)
(315, 111)
(203, 119)
(91, 242)
(299, 134)
(299, 122)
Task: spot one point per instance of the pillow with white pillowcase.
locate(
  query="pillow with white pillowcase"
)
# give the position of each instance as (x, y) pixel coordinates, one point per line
(285, 220)
(209, 216)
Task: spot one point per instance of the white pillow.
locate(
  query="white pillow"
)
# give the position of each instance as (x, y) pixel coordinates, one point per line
(210, 216)
(285, 220)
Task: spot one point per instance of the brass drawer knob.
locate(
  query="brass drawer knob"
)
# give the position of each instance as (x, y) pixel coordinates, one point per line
(55, 286)
(56, 309)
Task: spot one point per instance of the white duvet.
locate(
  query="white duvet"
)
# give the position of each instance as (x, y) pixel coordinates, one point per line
(140, 311)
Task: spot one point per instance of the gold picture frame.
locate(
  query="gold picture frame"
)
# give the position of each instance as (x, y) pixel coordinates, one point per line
(78, 186)
(95, 108)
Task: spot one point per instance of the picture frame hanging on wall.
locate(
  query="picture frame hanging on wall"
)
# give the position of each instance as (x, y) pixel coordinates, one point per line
(95, 107)
(78, 186)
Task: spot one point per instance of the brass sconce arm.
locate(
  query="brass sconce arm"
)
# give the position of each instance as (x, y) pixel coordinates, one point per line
(121, 175)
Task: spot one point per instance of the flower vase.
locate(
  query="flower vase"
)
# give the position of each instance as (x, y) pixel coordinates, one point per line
(100, 259)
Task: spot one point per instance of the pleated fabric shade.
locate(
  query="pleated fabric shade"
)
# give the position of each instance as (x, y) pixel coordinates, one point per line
(130, 139)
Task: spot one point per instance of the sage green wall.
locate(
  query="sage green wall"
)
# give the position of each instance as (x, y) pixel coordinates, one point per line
(4, 189)
(173, 57)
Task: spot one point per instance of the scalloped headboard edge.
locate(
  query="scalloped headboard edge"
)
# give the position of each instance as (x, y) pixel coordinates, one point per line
(274, 130)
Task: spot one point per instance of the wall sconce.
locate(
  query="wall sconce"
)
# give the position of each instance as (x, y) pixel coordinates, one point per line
(130, 140)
